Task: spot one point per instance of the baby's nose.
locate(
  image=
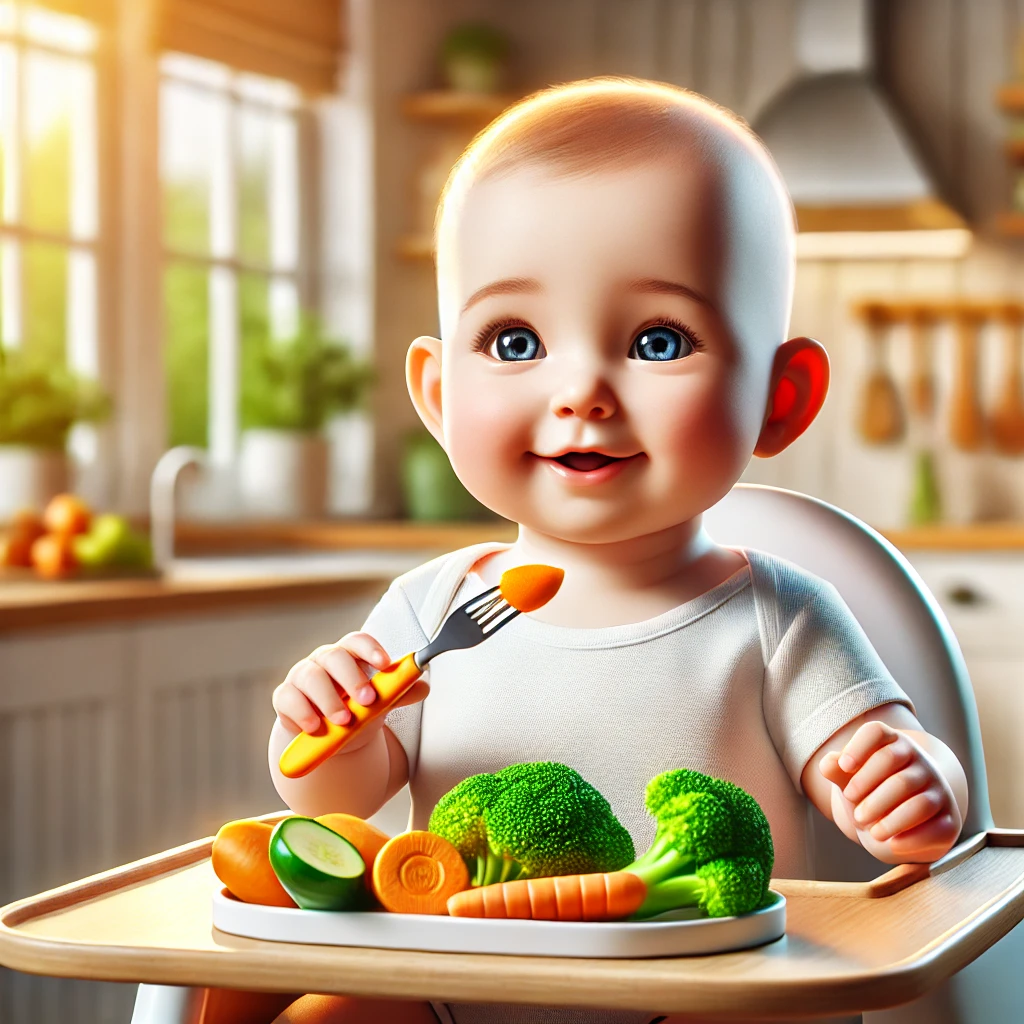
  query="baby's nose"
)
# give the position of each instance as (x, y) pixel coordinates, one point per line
(588, 399)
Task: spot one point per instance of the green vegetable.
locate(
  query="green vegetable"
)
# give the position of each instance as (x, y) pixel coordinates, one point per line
(713, 847)
(529, 821)
(318, 868)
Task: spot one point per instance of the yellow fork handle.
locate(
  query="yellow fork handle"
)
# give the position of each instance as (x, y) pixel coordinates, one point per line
(309, 750)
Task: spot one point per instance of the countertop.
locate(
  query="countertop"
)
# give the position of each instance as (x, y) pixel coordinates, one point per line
(242, 565)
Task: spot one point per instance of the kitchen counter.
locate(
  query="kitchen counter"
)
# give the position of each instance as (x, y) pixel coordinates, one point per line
(245, 565)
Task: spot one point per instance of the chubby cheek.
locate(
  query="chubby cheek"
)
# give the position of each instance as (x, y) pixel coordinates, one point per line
(702, 444)
(487, 435)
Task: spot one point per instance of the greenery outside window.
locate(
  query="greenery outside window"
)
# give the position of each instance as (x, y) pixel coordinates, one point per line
(231, 163)
(49, 195)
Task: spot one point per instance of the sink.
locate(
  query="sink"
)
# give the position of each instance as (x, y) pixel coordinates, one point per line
(349, 564)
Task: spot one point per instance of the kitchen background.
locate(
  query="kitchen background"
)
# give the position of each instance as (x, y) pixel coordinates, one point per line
(201, 197)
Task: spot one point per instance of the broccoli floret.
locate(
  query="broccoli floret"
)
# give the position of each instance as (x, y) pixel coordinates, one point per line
(529, 821)
(712, 849)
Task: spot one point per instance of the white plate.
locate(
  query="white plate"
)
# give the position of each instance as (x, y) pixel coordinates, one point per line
(437, 934)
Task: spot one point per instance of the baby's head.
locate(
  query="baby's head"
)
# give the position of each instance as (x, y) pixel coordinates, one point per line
(615, 275)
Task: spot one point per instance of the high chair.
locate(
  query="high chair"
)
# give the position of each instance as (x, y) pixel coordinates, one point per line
(915, 935)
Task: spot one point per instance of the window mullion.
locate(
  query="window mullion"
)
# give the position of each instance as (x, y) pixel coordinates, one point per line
(223, 284)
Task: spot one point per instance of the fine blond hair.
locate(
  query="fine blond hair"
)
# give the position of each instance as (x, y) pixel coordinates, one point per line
(600, 124)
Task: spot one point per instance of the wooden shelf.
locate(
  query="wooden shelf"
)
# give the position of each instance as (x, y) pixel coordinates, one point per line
(1010, 98)
(415, 247)
(448, 105)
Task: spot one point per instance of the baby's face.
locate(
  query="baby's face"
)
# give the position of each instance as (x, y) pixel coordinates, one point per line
(597, 383)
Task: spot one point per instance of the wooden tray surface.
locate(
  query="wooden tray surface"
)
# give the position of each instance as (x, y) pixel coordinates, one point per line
(849, 946)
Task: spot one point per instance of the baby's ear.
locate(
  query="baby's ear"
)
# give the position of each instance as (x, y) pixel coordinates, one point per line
(423, 378)
(799, 385)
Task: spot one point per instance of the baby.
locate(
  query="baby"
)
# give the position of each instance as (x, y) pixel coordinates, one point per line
(615, 273)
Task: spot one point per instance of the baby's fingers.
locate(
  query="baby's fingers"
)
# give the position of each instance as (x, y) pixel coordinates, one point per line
(294, 708)
(865, 741)
(883, 764)
(314, 683)
(929, 841)
(911, 813)
(417, 693)
(892, 792)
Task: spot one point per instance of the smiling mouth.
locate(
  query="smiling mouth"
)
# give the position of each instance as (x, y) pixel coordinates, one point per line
(585, 462)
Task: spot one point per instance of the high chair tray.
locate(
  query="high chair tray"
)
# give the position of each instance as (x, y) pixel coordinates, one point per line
(687, 935)
(848, 947)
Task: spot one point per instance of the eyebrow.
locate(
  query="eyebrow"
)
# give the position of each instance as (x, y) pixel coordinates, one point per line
(661, 287)
(508, 286)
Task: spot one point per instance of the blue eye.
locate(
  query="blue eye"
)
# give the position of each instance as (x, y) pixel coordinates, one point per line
(660, 344)
(517, 344)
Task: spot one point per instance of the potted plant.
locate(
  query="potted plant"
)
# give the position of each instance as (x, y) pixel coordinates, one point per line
(291, 387)
(430, 488)
(39, 405)
(473, 58)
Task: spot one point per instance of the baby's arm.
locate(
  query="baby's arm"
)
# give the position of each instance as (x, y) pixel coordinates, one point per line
(890, 786)
(370, 769)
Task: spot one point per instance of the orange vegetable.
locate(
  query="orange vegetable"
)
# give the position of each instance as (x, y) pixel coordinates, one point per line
(602, 896)
(416, 872)
(366, 838)
(66, 514)
(52, 555)
(241, 860)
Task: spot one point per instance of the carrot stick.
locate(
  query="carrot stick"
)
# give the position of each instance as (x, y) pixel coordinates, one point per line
(416, 872)
(602, 896)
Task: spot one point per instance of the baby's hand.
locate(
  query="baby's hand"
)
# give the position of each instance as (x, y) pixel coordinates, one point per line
(314, 687)
(891, 797)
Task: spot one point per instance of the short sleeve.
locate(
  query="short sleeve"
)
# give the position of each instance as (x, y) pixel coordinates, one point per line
(821, 671)
(395, 625)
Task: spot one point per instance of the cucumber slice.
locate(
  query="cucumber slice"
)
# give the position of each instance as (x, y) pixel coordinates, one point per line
(318, 868)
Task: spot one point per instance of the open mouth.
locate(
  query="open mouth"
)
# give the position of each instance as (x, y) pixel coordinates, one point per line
(584, 462)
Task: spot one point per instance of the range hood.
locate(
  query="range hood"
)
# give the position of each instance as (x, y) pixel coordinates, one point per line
(859, 188)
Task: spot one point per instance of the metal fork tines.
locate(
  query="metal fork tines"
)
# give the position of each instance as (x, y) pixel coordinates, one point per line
(472, 622)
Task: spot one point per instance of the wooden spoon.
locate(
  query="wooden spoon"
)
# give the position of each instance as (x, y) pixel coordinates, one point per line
(922, 379)
(966, 423)
(1007, 420)
(881, 418)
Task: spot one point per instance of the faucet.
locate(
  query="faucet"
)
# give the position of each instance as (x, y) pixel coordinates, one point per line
(162, 485)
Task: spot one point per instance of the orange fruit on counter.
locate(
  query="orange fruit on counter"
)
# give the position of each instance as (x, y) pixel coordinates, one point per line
(52, 555)
(27, 524)
(66, 514)
(15, 550)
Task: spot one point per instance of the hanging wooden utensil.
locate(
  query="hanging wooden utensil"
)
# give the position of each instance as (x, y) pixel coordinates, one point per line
(966, 422)
(880, 420)
(1006, 422)
(921, 397)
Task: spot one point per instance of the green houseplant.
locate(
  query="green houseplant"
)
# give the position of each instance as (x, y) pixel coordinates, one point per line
(291, 388)
(473, 58)
(39, 405)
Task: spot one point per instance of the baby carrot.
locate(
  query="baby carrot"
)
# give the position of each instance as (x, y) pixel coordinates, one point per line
(416, 872)
(602, 896)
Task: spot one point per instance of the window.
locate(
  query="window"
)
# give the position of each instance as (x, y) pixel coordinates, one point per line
(231, 167)
(49, 229)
